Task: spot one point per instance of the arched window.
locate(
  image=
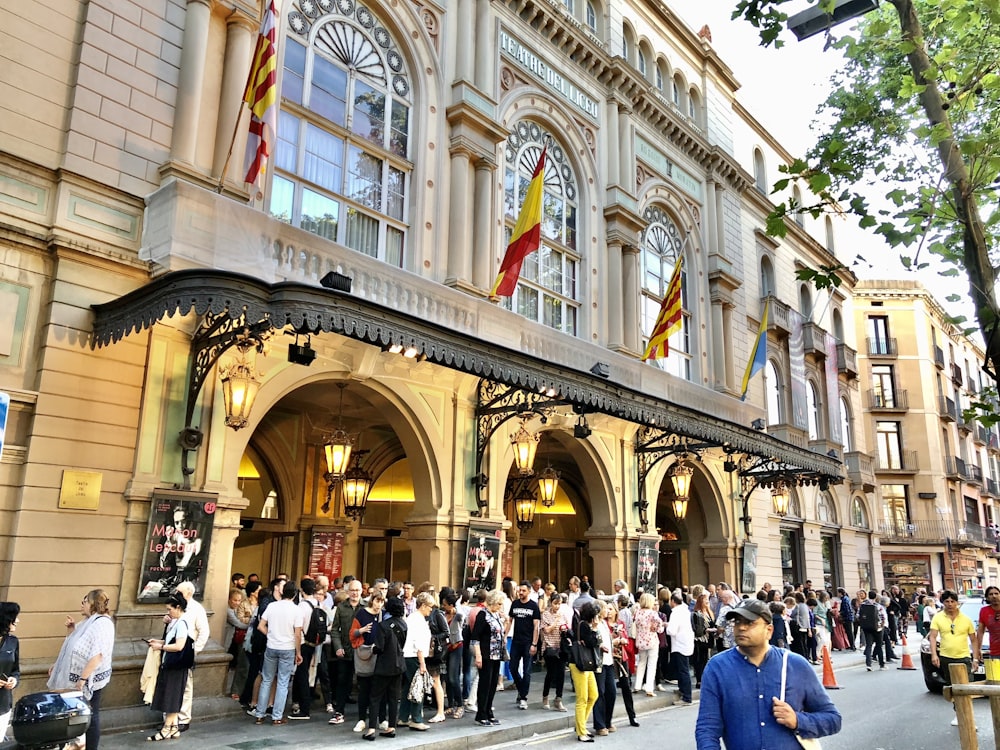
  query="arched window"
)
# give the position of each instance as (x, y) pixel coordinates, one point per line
(628, 43)
(591, 18)
(846, 427)
(838, 325)
(693, 102)
(341, 167)
(759, 171)
(812, 409)
(570, 7)
(767, 285)
(548, 289)
(661, 246)
(641, 62)
(859, 515)
(659, 78)
(800, 217)
(829, 234)
(675, 91)
(826, 512)
(805, 302)
(772, 390)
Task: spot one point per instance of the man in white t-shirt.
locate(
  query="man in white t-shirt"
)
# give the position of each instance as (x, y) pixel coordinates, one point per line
(282, 623)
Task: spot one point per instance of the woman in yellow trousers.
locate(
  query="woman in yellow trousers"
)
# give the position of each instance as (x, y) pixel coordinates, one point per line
(585, 683)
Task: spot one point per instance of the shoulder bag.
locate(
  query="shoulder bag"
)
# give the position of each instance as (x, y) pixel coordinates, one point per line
(584, 657)
(810, 743)
(364, 660)
(183, 659)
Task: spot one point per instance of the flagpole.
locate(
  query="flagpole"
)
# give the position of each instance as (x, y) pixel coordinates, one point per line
(232, 144)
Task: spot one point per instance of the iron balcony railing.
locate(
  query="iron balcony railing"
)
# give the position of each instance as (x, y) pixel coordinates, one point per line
(936, 532)
(904, 462)
(887, 400)
(879, 347)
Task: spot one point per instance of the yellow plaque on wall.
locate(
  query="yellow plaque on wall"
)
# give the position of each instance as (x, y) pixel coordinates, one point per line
(80, 490)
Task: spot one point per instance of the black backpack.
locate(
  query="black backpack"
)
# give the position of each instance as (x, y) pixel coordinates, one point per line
(698, 625)
(318, 627)
(440, 635)
(868, 616)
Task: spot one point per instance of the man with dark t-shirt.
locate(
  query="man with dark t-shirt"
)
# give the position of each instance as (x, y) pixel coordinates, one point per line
(524, 621)
(989, 621)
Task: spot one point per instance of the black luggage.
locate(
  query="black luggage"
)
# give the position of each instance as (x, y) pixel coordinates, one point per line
(43, 720)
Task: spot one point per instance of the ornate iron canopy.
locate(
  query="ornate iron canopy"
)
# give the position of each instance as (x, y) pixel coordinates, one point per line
(315, 309)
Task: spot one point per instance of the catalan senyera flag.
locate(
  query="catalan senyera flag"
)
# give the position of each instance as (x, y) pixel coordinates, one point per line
(527, 234)
(668, 322)
(758, 355)
(261, 95)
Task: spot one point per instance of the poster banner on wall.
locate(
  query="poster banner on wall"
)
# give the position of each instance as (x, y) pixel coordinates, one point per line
(178, 540)
(749, 582)
(645, 567)
(833, 392)
(797, 368)
(326, 553)
(481, 558)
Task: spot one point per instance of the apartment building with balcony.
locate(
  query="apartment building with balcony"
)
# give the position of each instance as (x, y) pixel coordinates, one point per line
(936, 468)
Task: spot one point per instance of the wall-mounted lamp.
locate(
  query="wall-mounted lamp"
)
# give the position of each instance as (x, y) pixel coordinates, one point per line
(524, 507)
(680, 477)
(548, 483)
(240, 386)
(581, 430)
(525, 444)
(780, 499)
(302, 354)
(355, 488)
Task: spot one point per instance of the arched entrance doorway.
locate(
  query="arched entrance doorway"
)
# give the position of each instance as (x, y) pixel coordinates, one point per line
(682, 556)
(292, 523)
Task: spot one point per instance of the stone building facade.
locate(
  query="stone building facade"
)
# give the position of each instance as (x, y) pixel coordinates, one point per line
(136, 264)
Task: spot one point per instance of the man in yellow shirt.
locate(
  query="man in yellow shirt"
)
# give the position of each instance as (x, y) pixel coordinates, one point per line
(957, 633)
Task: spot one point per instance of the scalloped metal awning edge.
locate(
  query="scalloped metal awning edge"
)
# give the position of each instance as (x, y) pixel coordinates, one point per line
(316, 309)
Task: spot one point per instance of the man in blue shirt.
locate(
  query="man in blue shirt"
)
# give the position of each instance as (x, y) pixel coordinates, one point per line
(740, 691)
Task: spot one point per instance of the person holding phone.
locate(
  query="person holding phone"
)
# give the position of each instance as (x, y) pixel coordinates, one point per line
(10, 662)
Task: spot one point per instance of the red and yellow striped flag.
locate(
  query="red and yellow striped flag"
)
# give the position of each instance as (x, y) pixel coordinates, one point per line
(668, 322)
(261, 95)
(527, 234)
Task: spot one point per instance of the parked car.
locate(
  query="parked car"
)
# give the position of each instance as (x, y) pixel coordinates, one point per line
(932, 677)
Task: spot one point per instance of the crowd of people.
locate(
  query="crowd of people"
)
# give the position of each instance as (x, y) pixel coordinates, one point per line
(415, 656)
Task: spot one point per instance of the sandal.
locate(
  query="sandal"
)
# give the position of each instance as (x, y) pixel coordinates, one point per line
(166, 733)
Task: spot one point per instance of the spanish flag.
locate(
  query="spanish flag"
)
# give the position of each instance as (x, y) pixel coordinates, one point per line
(758, 355)
(261, 95)
(668, 322)
(527, 234)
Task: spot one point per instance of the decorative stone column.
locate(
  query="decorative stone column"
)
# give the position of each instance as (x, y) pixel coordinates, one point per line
(612, 151)
(483, 230)
(191, 82)
(610, 554)
(485, 46)
(460, 234)
(614, 307)
(631, 297)
(239, 38)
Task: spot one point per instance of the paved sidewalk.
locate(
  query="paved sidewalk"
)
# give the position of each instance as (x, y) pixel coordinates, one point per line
(238, 731)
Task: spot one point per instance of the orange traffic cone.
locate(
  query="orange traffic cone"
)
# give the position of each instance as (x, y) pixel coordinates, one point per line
(907, 662)
(829, 681)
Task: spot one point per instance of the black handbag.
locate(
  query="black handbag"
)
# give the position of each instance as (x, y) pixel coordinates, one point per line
(584, 657)
(183, 659)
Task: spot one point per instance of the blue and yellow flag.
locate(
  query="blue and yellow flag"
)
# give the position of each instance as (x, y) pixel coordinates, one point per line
(758, 355)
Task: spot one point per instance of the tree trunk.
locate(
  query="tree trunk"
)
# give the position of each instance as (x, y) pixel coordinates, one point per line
(975, 251)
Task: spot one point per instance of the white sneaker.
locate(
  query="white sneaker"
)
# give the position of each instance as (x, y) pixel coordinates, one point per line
(359, 727)
(383, 726)
(662, 687)
(329, 708)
